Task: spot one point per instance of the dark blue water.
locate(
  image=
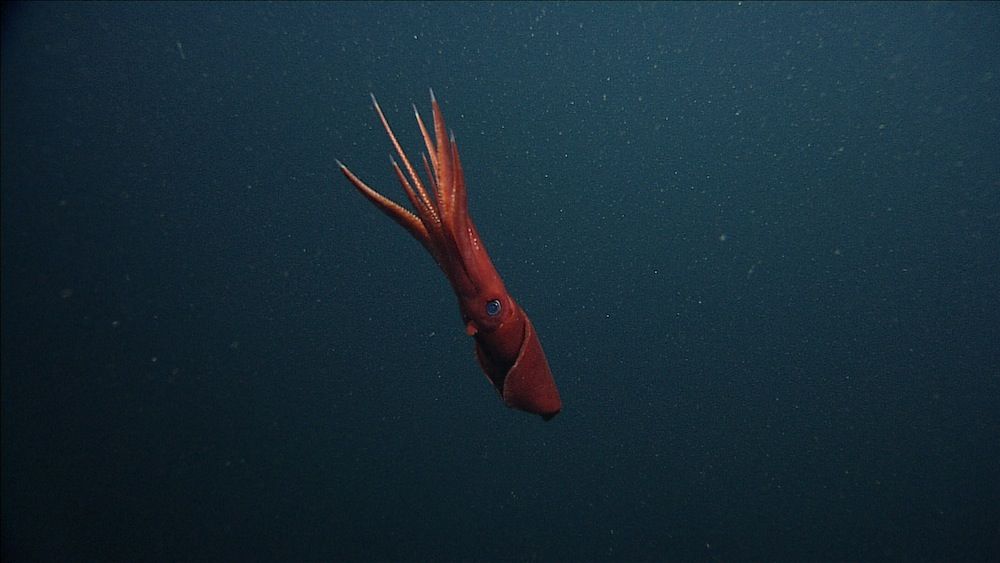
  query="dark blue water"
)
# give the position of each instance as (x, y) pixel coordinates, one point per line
(759, 242)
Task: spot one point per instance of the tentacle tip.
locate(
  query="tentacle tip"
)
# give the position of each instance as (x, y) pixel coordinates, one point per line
(432, 95)
(339, 163)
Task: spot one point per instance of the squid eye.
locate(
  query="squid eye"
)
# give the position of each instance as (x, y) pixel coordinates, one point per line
(493, 308)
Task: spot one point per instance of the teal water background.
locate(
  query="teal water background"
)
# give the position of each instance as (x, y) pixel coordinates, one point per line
(759, 242)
